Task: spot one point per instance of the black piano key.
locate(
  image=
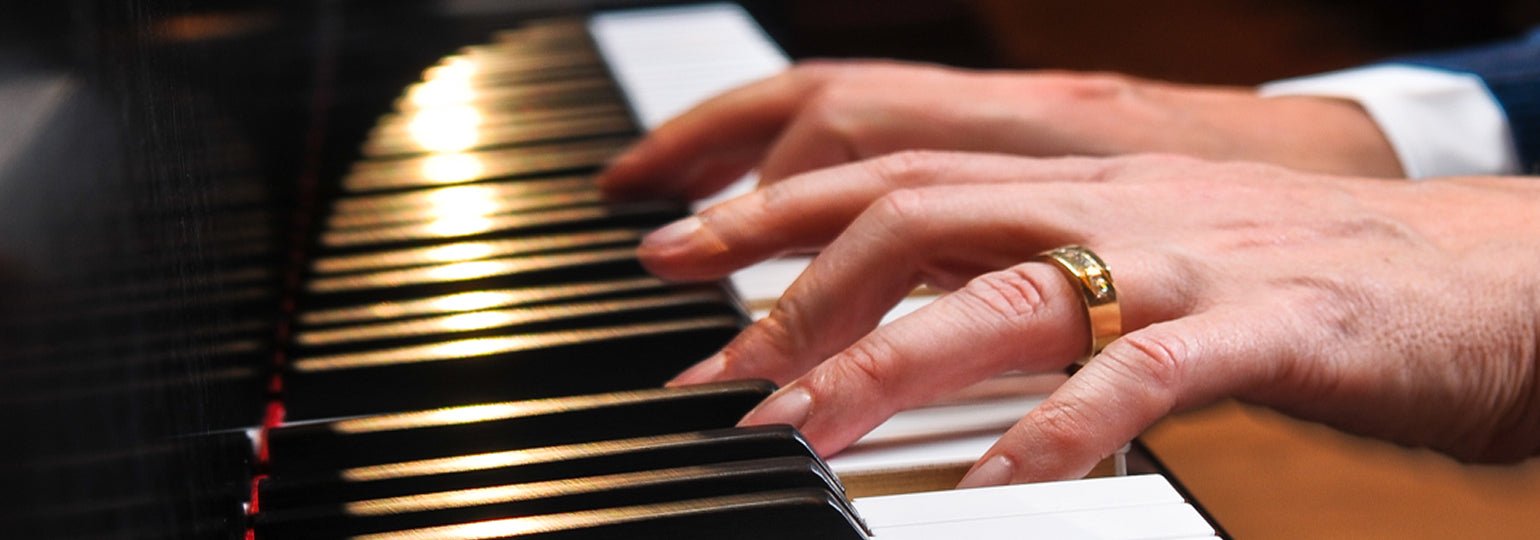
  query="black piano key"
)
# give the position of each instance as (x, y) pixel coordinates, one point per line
(394, 126)
(373, 440)
(479, 300)
(483, 227)
(603, 263)
(425, 206)
(465, 167)
(540, 498)
(463, 138)
(804, 514)
(511, 189)
(481, 370)
(426, 94)
(533, 465)
(676, 304)
(509, 70)
(473, 251)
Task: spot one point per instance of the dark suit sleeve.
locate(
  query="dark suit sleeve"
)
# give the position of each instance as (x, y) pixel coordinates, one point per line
(1511, 71)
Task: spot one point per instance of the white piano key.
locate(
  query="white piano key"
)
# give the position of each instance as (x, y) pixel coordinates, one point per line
(937, 450)
(768, 280)
(1127, 523)
(1016, 500)
(904, 307)
(946, 434)
(667, 60)
(907, 306)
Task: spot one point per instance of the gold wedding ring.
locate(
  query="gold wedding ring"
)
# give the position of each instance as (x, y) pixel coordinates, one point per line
(1097, 292)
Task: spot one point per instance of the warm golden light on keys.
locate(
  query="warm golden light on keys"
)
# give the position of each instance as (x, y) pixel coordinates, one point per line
(462, 498)
(477, 320)
(418, 199)
(451, 168)
(463, 201)
(473, 300)
(471, 270)
(459, 252)
(453, 67)
(467, 348)
(465, 205)
(469, 414)
(459, 226)
(512, 409)
(465, 270)
(441, 169)
(509, 458)
(468, 226)
(441, 92)
(470, 301)
(459, 196)
(481, 320)
(467, 251)
(445, 129)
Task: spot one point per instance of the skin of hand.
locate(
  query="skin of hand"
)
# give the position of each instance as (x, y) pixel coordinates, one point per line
(819, 114)
(1408, 311)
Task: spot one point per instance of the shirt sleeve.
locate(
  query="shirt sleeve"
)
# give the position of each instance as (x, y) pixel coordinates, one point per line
(1471, 111)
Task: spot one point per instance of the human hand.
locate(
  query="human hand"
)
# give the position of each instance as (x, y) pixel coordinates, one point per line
(1406, 311)
(819, 114)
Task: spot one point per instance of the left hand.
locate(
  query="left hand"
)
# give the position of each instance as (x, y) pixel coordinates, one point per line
(824, 113)
(1406, 311)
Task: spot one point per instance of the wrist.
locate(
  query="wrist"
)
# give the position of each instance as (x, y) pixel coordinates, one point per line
(1329, 135)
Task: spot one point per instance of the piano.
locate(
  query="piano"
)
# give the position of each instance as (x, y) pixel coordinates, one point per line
(454, 340)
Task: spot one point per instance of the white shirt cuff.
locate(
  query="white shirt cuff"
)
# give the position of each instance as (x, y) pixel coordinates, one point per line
(1440, 123)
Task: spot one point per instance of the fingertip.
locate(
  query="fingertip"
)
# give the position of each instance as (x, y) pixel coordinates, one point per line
(615, 175)
(994, 470)
(685, 250)
(791, 406)
(708, 370)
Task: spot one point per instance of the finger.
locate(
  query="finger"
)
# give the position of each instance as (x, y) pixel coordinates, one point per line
(808, 210)
(937, 236)
(809, 143)
(1027, 317)
(704, 149)
(1136, 381)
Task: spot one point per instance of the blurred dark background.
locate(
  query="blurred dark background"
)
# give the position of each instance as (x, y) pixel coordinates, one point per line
(159, 161)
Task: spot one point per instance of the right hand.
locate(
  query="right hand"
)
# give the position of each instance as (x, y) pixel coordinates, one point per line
(819, 114)
(1401, 310)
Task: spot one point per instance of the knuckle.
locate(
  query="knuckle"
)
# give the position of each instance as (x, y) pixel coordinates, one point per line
(862, 365)
(901, 213)
(1064, 430)
(1148, 166)
(1155, 358)
(780, 331)
(908, 168)
(1078, 86)
(1011, 294)
(774, 200)
(835, 113)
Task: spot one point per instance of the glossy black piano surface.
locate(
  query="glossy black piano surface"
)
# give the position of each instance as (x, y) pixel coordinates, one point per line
(165, 168)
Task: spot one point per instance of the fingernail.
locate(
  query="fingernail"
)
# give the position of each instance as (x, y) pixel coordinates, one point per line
(606, 178)
(710, 369)
(674, 234)
(995, 471)
(789, 406)
(690, 234)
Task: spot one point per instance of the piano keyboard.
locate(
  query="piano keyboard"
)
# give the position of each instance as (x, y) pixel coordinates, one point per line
(478, 354)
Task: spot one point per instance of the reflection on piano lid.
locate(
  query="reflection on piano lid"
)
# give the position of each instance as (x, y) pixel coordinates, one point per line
(478, 353)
